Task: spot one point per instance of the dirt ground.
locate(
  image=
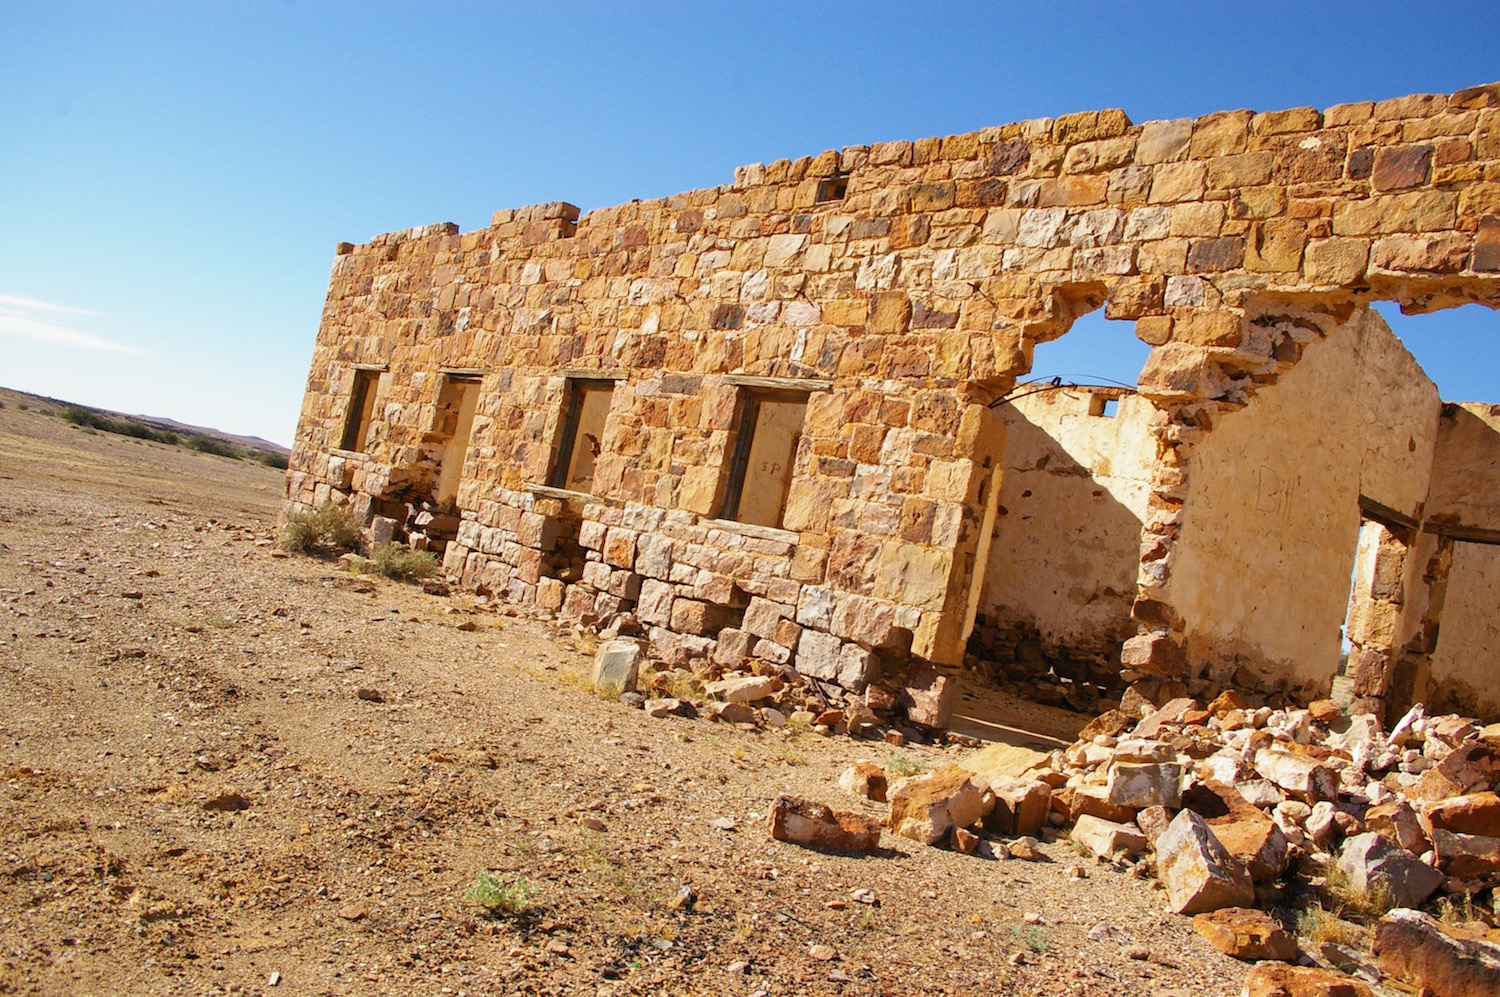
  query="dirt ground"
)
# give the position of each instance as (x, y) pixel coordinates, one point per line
(159, 666)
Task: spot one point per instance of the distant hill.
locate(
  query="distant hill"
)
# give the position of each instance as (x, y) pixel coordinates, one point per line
(157, 428)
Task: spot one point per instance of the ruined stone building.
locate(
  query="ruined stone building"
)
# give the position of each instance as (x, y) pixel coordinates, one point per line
(779, 418)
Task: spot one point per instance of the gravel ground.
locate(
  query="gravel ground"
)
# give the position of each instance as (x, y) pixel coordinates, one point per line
(197, 800)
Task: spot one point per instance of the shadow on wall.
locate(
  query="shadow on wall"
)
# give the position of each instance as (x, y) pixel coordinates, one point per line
(1061, 575)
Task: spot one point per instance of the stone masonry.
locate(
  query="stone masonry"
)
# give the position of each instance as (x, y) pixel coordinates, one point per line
(896, 289)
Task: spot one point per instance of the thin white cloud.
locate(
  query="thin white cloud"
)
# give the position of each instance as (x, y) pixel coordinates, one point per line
(36, 320)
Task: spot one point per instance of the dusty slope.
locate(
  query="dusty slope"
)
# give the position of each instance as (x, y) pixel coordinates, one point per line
(236, 672)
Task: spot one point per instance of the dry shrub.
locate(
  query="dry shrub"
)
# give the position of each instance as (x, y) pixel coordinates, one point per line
(327, 531)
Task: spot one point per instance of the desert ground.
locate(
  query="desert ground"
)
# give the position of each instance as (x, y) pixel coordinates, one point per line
(227, 770)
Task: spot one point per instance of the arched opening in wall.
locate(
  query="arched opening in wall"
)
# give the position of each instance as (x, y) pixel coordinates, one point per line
(1421, 622)
(1060, 575)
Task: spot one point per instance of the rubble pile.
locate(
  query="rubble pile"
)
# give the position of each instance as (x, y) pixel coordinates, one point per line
(1235, 807)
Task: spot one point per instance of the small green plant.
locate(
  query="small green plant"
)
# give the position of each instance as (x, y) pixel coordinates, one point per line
(402, 563)
(902, 765)
(499, 898)
(23, 406)
(327, 531)
(1034, 937)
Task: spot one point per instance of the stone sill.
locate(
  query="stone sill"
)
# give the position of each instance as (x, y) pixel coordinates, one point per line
(547, 491)
(348, 454)
(751, 530)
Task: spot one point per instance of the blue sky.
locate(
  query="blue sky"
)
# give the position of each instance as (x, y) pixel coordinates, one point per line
(174, 176)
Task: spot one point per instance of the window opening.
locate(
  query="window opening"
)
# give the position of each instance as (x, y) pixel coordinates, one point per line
(1104, 407)
(361, 410)
(585, 409)
(457, 400)
(760, 471)
(833, 188)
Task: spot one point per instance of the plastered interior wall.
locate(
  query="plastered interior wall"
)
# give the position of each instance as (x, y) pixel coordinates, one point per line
(1466, 664)
(1062, 565)
(1271, 522)
(1466, 467)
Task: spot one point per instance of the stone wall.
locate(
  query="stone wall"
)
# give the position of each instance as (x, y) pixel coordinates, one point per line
(1059, 583)
(901, 287)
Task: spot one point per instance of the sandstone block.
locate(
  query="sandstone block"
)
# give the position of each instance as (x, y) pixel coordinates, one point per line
(1246, 933)
(928, 807)
(732, 647)
(1156, 654)
(1138, 786)
(1108, 840)
(763, 616)
(1021, 805)
(1197, 871)
(655, 604)
(929, 695)
(1299, 775)
(615, 666)
(1478, 813)
(813, 825)
(1414, 948)
(1369, 862)
(1466, 856)
(1277, 979)
(1396, 821)
(744, 688)
(864, 779)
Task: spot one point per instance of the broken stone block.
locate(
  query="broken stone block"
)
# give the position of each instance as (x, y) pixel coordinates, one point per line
(1470, 764)
(1155, 654)
(1477, 813)
(383, 529)
(1021, 805)
(1277, 979)
(1172, 712)
(1370, 862)
(1003, 761)
(929, 695)
(1110, 723)
(1138, 786)
(615, 667)
(964, 840)
(1396, 821)
(1300, 775)
(928, 807)
(1246, 933)
(1241, 828)
(813, 825)
(1465, 855)
(1073, 801)
(733, 713)
(864, 779)
(1108, 840)
(744, 688)
(1416, 949)
(1198, 872)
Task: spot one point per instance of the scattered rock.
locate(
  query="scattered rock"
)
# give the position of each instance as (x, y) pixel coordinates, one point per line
(353, 912)
(1420, 951)
(1246, 933)
(1021, 805)
(659, 708)
(864, 779)
(929, 806)
(1277, 979)
(369, 695)
(813, 825)
(733, 713)
(615, 668)
(1138, 786)
(227, 802)
(1108, 840)
(1369, 861)
(1476, 813)
(1026, 848)
(823, 953)
(1198, 872)
(743, 689)
(964, 840)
